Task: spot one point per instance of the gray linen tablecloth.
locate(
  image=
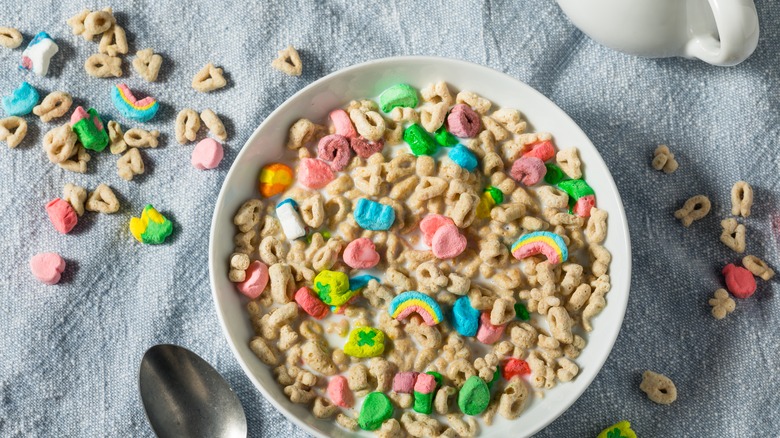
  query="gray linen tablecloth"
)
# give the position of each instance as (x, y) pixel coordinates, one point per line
(70, 353)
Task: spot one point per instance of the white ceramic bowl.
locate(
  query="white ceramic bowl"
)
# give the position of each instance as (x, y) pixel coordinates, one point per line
(369, 79)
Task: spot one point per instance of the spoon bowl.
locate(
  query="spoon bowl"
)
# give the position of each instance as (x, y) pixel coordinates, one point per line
(184, 396)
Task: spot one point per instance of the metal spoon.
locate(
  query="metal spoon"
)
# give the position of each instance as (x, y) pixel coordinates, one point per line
(183, 396)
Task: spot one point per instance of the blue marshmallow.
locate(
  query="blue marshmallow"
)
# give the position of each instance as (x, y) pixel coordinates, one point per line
(371, 215)
(463, 157)
(21, 101)
(465, 319)
(360, 281)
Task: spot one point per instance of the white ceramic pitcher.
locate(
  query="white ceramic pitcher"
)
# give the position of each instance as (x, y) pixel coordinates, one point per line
(720, 32)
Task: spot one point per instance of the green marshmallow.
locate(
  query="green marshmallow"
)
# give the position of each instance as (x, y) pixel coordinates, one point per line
(496, 194)
(365, 342)
(521, 312)
(423, 403)
(496, 375)
(576, 189)
(419, 141)
(376, 409)
(444, 138)
(474, 396)
(333, 287)
(554, 174)
(437, 377)
(90, 136)
(401, 95)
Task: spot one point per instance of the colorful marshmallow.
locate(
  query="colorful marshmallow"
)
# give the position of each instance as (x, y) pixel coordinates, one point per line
(311, 303)
(314, 173)
(38, 54)
(463, 157)
(360, 281)
(465, 318)
(47, 267)
(463, 121)
(152, 227)
(21, 101)
(430, 224)
(528, 170)
(140, 110)
(474, 396)
(89, 129)
(365, 342)
(549, 244)
(403, 382)
(621, 429)
(364, 148)
(543, 150)
(374, 216)
(553, 174)
(274, 178)
(361, 254)
(419, 141)
(521, 312)
(491, 197)
(581, 196)
(402, 95)
(62, 215)
(448, 242)
(335, 149)
(292, 224)
(739, 281)
(207, 154)
(375, 410)
(256, 280)
(424, 388)
(333, 287)
(444, 138)
(488, 333)
(406, 303)
(342, 123)
(515, 367)
(339, 392)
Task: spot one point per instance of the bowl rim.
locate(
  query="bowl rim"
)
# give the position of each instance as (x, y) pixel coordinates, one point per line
(611, 337)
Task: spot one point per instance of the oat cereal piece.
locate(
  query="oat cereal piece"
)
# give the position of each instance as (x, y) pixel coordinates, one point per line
(476, 102)
(13, 130)
(282, 283)
(187, 125)
(722, 304)
(75, 196)
(209, 78)
(663, 159)
(101, 65)
(694, 209)
(436, 93)
(114, 41)
(467, 428)
(102, 200)
(441, 401)
(288, 62)
(402, 114)
(77, 162)
(346, 422)
(147, 64)
(511, 119)
(552, 197)
(596, 230)
(214, 124)
(60, 143)
(97, 22)
(741, 199)
(513, 399)
(130, 165)
(658, 388)
(249, 215)
(77, 22)
(323, 408)
(432, 116)
(569, 162)
(10, 38)
(116, 138)
(733, 234)
(54, 105)
(560, 324)
(238, 265)
(302, 132)
(139, 138)
(758, 267)
(369, 124)
(567, 370)
(263, 351)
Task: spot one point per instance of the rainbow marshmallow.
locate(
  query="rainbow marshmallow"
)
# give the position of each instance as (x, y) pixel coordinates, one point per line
(416, 302)
(139, 110)
(549, 244)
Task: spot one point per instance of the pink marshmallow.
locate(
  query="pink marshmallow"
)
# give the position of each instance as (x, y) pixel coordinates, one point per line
(78, 114)
(543, 150)
(361, 254)
(430, 224)
(739, 281)
(364, 148)
(62, 215)
(314, 173)
(528, 170)
(425, 384)
(447, 242)
(489, 333)
(534, 248)
(207, 154)
(403, 382)
(583, 205)
(463, 121)
(342, 123)
(256, 280)
(334, 148)
(47, 267)
(339, 392)
(311, 303)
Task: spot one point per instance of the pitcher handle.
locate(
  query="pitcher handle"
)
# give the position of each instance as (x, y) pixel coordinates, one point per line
(737, 23)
